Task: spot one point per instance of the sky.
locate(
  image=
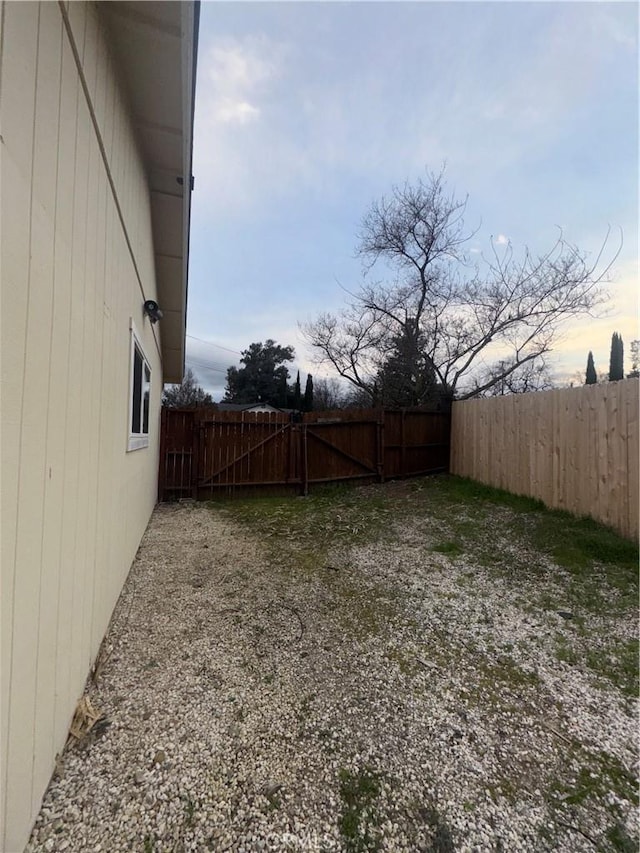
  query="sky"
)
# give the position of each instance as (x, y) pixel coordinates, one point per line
(308, 112)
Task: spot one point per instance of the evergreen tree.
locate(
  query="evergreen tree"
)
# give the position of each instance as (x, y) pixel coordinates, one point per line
(591, 377)
(262, 376)
(616, 361)
(283, 393)
(407, 377)
(297, 395)
(307, 403)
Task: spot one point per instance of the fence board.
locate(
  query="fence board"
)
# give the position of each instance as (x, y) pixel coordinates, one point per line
(573, 448)
(632, 445)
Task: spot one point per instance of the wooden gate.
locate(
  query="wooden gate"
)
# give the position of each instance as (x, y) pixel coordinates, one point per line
(205, 453)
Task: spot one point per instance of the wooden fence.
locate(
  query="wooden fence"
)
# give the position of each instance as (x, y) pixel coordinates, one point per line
(205, 453)
(573, 448)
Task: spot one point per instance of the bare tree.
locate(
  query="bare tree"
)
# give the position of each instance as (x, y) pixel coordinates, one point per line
(328, 394)
(482, 323)
(188, 393)
(635, 360)
(533, 375)
(357, 398)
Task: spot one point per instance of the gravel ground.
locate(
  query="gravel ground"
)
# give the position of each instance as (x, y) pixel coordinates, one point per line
(376, 695)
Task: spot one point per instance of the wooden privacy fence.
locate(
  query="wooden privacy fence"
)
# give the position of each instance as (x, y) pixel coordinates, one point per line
(205, 453)
(573, 448)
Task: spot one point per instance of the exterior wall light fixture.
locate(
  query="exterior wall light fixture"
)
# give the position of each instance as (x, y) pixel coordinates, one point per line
(152, 310)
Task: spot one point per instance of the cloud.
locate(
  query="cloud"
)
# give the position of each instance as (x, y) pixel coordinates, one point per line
(233, 73)
(228, 111)
(296, 134)
(620, 29)
(233, 66)
(234, 105)
(209, 363)
(531, 92)
(275, 118)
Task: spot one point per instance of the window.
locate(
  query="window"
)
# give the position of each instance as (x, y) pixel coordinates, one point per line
(140, 392)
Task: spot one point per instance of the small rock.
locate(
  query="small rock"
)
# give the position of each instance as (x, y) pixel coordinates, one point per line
(566, 614)
(160, 757)
(138, 777)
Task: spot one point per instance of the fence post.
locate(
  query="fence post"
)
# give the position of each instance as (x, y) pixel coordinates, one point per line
(380, 445)
(196, 426)
(290, 469)
(403, 444)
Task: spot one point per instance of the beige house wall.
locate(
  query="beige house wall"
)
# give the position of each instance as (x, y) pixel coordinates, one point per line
(573, 448)
(77, 265)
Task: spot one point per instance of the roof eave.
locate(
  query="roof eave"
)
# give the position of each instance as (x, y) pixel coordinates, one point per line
(156, 45)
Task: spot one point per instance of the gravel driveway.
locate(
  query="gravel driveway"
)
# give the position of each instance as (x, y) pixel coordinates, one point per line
(349, 673)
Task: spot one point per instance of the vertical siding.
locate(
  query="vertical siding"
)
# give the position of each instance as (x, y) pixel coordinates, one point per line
(573, 448)
(44, 186)
(17, 100)
(77, 265)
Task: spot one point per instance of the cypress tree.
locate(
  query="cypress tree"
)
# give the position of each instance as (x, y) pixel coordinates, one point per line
(297, 396)
(592, 376)
(307, 403)
(616, 361)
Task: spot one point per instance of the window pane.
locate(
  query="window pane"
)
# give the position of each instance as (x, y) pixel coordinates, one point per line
(137, 391)
(145, 401)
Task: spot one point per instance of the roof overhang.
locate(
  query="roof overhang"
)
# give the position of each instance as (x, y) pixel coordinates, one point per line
(155, 44)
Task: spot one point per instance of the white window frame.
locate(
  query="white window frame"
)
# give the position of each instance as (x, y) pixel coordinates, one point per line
(138, 440)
